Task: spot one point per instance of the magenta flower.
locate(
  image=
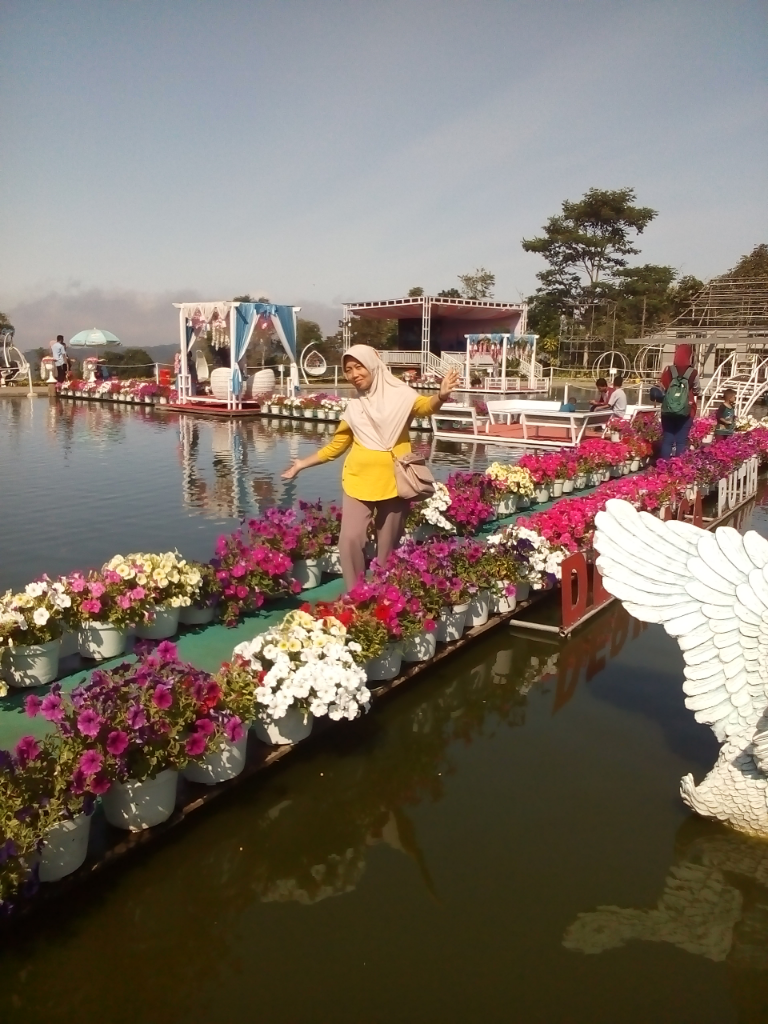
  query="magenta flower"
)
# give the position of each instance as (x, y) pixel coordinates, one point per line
(205, 726)
(117, 741)
(32, 705)
(196, 744)
(90, 762)
(137, 593)
(162, 697)
(27, 749)
(234, 730)
(136, 716)
(99, 785)
(51, 708)
(124, 601)
(97, 589)
(167, 651)
(89, 723)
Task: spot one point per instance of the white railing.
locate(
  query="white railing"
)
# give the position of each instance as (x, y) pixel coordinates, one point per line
(711, 391)
(749, 386)
(396, 357)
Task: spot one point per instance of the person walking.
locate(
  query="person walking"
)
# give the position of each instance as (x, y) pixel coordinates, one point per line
(680, 383)
(59, 353)
(375, 428)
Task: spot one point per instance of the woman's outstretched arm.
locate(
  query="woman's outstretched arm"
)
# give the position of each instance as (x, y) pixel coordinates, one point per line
(342, 439)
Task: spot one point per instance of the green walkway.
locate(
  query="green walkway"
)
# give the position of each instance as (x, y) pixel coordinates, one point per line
(205, 647)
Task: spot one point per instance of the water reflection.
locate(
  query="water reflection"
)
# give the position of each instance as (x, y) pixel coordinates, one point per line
(187, 916)
(714, 903)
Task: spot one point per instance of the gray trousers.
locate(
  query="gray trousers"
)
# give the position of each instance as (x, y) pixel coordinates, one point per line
(389, 521)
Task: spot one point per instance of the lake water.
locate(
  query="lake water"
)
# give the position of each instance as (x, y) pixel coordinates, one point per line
(502, 842)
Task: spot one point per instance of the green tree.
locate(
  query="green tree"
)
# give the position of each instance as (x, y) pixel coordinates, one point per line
(755, 265)
(415, 292)
(4, 321)
(590, 239)
(450, 293)
(479, 285)
(130, 362)
(376, 333)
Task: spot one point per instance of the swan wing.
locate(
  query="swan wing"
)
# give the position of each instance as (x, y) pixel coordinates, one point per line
(710, 591)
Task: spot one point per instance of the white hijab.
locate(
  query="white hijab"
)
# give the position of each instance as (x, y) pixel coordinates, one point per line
(377, 416)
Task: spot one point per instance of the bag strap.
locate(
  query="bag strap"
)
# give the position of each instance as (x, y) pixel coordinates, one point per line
(688, 373)
(675, 374)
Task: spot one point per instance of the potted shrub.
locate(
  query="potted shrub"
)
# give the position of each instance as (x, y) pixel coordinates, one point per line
(248, 570)
(304, 667)
(135, 727)
(106, 604)
(205, 598)
(30, 627)
(282, 530)
(171, 583)
(324, 524)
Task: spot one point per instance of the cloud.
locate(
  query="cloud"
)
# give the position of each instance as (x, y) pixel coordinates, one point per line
(138, 319)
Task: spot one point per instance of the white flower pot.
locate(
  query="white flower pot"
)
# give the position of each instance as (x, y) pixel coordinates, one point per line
(32, 665)
(450, 625)
(195, 615)
(420, 647)
(634, 465)
(709, 438)
(307, 572)
(101, 640)
(542, 495)
(522, 592)
(136, 805)
(615, 471)
(626, 468)
(67, 644)
(615, 435)
(508, 505)
(331, 561)
(386, 666)
(523, 501)
(65, 847)
(567, 486)
(479, 607)
(163, 400)
(580, 481)
(557, 489)
(225, 763)
(164, 624)
(502, 604)
(294, 726)
(321, 414)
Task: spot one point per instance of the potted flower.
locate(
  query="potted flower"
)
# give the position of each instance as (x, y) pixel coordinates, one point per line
(428, 517)
(134, 728)
(282, 530)
(170, 582)
(324, 524)
(248, 570)
(105, 605)
(304, 668)
(30, 627)
(511, 483)
(205, 598)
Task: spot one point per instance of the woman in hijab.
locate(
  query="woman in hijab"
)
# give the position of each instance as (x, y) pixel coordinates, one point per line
(375, 427)
(677, 426)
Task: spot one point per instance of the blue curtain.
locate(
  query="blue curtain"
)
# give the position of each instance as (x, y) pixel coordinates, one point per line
(246, 314)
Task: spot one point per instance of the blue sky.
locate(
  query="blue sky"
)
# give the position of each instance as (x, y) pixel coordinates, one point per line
(348, 149)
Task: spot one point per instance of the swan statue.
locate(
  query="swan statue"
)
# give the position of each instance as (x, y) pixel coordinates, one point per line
(710, 591)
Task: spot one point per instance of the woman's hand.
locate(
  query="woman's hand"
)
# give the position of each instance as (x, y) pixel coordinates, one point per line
(448, 383)
(293, 470)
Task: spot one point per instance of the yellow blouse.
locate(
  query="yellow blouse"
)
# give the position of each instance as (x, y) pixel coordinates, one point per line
(369, 475)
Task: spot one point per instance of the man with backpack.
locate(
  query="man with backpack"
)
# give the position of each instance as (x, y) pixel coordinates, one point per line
(680, 383)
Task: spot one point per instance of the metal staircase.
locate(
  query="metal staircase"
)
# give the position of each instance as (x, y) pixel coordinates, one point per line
(747, 377)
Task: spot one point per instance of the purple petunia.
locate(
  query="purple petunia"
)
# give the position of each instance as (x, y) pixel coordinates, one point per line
(166, 651)
(89, 723)
(162, 697)
(90, 762)
(196, 744)
(27, 749)
(32, 705)
(99, 784)
(51, 708)
(117, 741)
(136, 716)
(234, 729)
(205, 726)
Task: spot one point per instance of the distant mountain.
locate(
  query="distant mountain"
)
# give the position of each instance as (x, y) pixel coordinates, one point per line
(160, 353)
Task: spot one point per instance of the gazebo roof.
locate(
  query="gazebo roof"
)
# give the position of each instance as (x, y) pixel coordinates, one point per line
(412, 306)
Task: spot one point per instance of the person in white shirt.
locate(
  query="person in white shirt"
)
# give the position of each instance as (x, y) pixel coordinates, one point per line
(59, 353)
(617, 400)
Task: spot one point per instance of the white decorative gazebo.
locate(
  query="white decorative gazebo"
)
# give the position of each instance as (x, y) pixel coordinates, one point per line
(232, 325)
